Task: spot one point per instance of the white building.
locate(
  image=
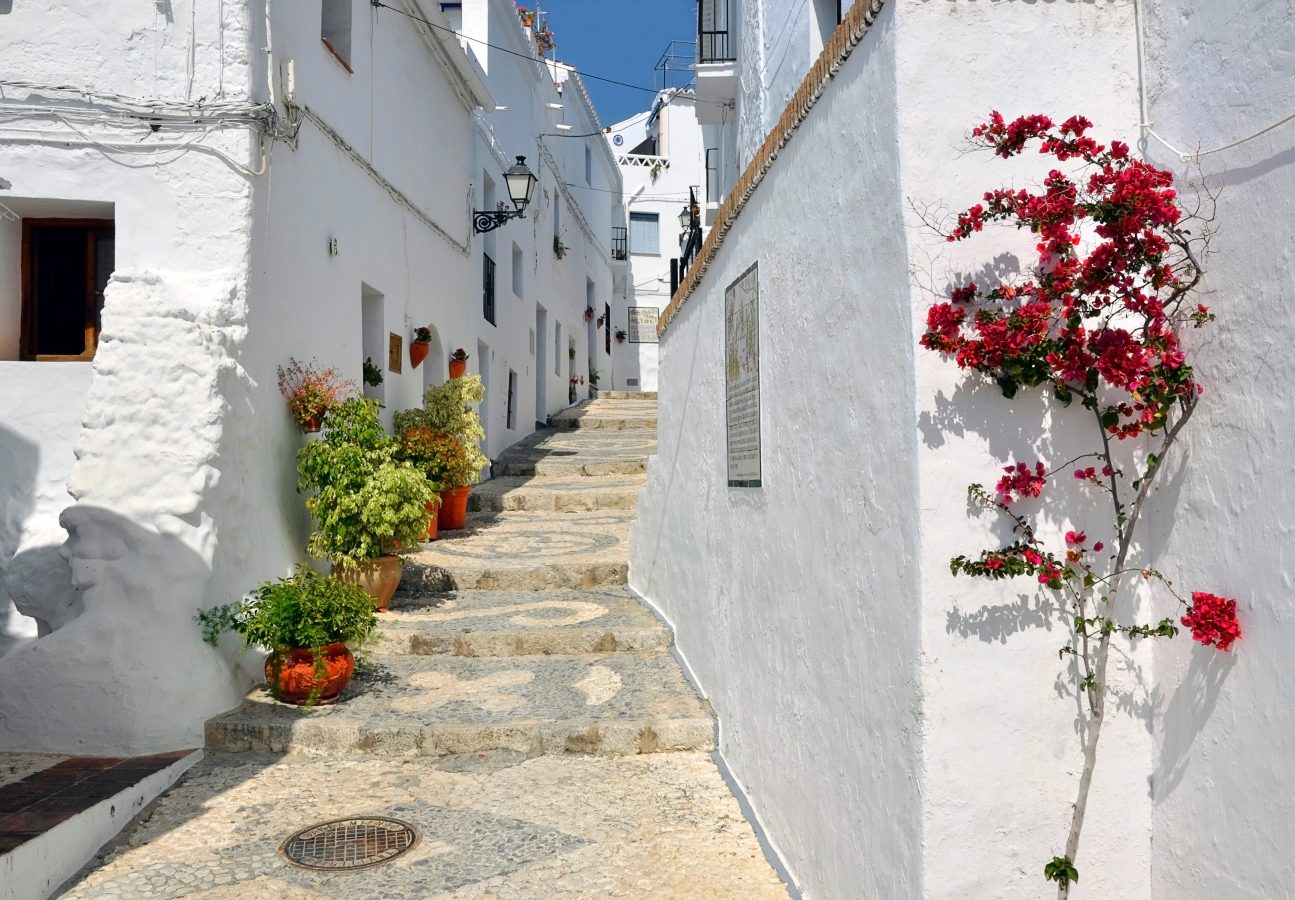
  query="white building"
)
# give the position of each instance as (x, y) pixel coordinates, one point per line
(662, 157)
(898, 732)
(194, 193)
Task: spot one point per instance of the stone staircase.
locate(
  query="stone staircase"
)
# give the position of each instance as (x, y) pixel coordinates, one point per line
(516, 634)
(517, 715)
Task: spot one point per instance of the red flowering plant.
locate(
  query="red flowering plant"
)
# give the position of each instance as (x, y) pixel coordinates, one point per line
(1097, 322)
(311, 391)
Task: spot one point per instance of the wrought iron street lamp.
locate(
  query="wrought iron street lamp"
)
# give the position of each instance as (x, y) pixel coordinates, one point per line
(521, 184)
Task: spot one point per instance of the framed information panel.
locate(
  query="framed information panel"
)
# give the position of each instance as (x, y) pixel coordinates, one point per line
(742, 378)
(642, 324)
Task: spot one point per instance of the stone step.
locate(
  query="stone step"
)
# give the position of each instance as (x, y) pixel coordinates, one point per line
(616, 415)
(520, 623)
(627, 395)
(524, 551)
(567, 454)
(576, 494)
(612, 704)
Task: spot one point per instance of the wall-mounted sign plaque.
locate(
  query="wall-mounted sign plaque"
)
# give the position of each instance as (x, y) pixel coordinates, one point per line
(643, 321)
(742, 378)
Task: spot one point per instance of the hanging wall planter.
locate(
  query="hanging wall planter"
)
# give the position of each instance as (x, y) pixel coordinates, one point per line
(420, 346)
(458, 363)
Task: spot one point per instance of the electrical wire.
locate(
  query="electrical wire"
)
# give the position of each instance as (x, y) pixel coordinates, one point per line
(585, 75)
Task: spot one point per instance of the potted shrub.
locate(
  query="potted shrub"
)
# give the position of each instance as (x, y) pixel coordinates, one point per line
(312, 392)
(420, 346)
(306, 621)
(621, 335)
(419, 448)
(372, 374)
(448, 411)
(369, 503)
(458, 363)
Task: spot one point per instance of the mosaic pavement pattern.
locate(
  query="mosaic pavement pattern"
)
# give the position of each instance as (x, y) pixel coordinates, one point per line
(521, 711)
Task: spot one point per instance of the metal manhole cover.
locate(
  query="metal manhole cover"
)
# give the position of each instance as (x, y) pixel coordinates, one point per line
(349, 843)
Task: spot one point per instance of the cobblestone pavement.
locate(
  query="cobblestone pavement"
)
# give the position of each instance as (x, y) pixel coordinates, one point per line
(522, 712)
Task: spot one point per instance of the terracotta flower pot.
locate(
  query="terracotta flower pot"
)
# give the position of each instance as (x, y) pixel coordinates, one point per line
(433, 512)
(379, 577)
(291, 673)
(458, 367)
(418, 351)
(454, 508)
(311, 425)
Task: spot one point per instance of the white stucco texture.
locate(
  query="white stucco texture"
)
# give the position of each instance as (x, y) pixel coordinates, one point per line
(796, 604)
(1224, 810)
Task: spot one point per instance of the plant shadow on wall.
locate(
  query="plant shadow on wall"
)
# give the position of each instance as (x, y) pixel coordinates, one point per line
(1088, 349)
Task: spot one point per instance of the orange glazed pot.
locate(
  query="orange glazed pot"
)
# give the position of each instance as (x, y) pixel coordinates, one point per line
(454, 508)
(379, 577)
(433, 511)
(458, 367)
(291, 673)
(418, 351)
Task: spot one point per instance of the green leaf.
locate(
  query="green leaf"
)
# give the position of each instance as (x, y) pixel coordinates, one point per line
(1007, 384)
(1110, 418)
(1062, 393)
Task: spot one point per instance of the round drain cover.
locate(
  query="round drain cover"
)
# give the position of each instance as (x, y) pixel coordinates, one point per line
(349, 843)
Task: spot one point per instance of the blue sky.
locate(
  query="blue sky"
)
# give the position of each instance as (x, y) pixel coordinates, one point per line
(619, 39)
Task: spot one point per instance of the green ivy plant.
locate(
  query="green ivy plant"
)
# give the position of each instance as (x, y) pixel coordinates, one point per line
(368, 499)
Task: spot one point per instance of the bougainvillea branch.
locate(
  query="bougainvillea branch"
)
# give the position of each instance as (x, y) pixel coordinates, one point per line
(1096, 320)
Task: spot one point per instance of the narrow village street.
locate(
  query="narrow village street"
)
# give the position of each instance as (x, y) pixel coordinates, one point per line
(522, 711)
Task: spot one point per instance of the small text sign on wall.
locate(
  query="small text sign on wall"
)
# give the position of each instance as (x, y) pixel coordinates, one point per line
(742, 378)
(643, 321)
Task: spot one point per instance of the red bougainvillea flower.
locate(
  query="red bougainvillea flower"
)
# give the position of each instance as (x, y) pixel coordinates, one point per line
(1097, 548)
(1213, 620)
(1020, 482)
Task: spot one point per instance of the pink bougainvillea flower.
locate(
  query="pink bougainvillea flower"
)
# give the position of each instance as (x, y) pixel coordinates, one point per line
(1213, 620)
(1020, 482)
(1076, 537)
(1097, 548)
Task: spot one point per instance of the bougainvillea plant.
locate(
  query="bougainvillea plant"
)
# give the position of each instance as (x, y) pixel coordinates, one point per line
(311, 391)
(1096, 321)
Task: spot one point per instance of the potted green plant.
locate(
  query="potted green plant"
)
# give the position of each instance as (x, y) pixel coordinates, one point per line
(311, 392)
(559, 248)
(368, 502)
(306, 621)
(621, 335)
(420, 448)
(571, 351)
(420, 346)
(449, 410)
(458, 363)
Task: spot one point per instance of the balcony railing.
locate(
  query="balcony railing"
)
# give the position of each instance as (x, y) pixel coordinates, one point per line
(714, 40)
(620, 243)
(488, 289)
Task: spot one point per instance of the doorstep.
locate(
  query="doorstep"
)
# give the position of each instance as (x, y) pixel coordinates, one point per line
(56, 812)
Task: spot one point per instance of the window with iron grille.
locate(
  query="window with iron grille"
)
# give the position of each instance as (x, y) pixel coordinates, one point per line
(488, 289)
(620, 243)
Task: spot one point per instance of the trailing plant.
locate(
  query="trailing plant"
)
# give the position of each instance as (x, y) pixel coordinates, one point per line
(368, 500)
(306, 610)
(311, 392)
(372, 374)
(559, 248)
(1096, 323)
(449, 409)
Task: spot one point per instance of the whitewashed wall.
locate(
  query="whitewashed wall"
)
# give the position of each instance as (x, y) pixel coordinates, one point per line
(1220, 775)
(151, 479)
(1002, 756)
(797, 604)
